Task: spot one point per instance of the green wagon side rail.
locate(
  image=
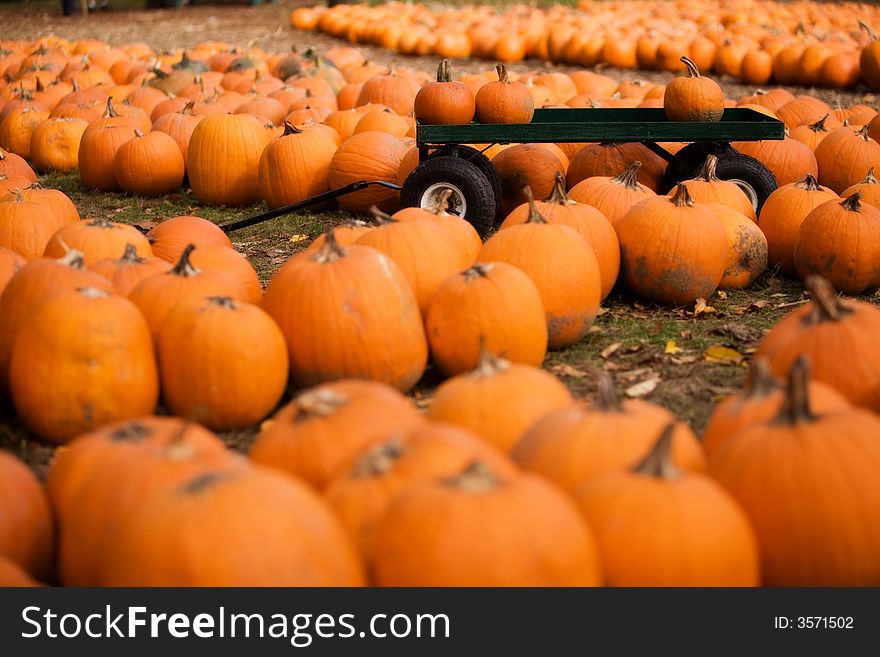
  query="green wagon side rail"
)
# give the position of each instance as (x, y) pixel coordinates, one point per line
(608, 125)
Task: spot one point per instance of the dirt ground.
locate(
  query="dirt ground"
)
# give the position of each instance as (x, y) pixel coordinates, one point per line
(685, 359)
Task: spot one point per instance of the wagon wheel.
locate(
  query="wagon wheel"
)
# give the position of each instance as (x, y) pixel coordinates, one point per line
(472, 195)
(477, 158)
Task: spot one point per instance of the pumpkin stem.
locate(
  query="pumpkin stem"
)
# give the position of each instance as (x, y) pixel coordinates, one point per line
(203, 482)
(864, 26)
(476, 478)
(92, 293)
(869, 179)
(478, 270)
(502, 73)
(692, 70)
(317, 403)
(381, 218)
(682, 197)
(862, 132)
(110, 111)
(444, 73)
(99, 222)
(380, 459)
(809, 183)
(489, 364)
(557, 194)
(796, 403)
(223, 302)
(761, 381)
(134, 431)
(331, 250)
(658, 462)
(826, 305)
(607, 400)
(707, 171)
(290, 129)
(853, 202)
(629, 176)
(819, 126)
(441, 203)
(72, 258)
(535, 216)
(188, 108)
(130, 256)
(184, 267)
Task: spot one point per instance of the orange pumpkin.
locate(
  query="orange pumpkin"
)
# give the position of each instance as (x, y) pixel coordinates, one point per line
(367, 156)
(613, 197)
(693, 98)
(27, 530)
(129, 269)
(504, 101)
(97, 239)
(444, 101)
(173, 235)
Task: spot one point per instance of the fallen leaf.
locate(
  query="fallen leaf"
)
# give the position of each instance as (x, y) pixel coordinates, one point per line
(687, 335)
(642, 388)
(145, 226)
(719, 354)
(654, 330)
(722, 294)
(296, 239)
(596, 329)
(700, 307)
(564, 369)
(671, 348)
(685, 360)
(610, 349)
(760, 304)
(601, 312)
(737, 332)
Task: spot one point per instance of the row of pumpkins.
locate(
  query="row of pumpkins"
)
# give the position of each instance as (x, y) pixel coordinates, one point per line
(506, 481)
(757, 41)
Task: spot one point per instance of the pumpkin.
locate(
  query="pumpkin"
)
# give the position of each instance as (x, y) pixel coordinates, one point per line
(483, 528)
(558, 208)
(93, 381)
(831, 243)
(811, 134)
(492, 302)
(836, 335)
(504, 101)
(346, 234)
(97, 153)
(26, 530)
(361, 495)
(532, 165)
(188, 536)
(562, 265)
(685, 256)
(498, 400)
(462, 232)
(129, 269)
(97, 239)
(172, 236)
(106, 474)
(15, 165)
(868, 187)
(444, 101)
(612, 196)
(391, 90)
(28, 222)
(18, 126)
(55, 144)
(844, 155)
(150, 164)
(782, 215)
(707, 187)
(788, 159)
(805, 110)
(425, 253)
(208, 349)
(694, 97)
(11, 574)
(819, 525)
(11, 263)
(746, 248)
(367, 156)
(156, 295)
(759, 402)
(869, 59)
(295, 166)
(578, 442)
(223, 158)
(213, 257)
(612, 159)
(320, 434)
(376, 331)
(657, 525)
(179, 126)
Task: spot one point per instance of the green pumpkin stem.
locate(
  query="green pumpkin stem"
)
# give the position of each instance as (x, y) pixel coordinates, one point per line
(380, 459)
(796, 403)
(658, 462)
(826, 306)
(476, 478)
(629, 177)
(692, 70)
(184, 267)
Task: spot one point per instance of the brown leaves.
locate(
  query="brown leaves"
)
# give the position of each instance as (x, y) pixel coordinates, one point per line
(645, 387)
(564, 369)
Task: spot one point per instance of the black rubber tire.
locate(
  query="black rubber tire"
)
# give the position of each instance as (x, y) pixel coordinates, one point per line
(474, 186)
(482, 162)
(692, 156)
(736, 165)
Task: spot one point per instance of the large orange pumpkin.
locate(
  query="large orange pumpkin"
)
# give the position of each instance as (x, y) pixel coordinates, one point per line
(367, 156)
(295, 166)
(844, 156)
(26, 527)
(97, 239)
(694, 97)
(613, 197)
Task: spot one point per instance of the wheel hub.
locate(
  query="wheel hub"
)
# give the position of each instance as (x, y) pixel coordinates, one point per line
(457, 204)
